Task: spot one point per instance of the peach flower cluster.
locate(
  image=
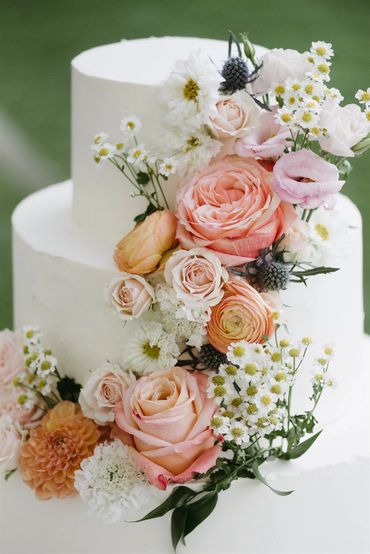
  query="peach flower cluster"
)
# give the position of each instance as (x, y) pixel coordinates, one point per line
(230, 209)
(165, 419)
(242, 314)
(55, 449)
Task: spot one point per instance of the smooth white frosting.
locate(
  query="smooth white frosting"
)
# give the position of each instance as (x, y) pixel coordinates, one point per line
(108, 83)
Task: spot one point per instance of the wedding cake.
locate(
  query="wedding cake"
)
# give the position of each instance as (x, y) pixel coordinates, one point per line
(64, 237)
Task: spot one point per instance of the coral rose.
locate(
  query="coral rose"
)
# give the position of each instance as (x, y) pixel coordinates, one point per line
(129, 295)
(304, 178)
(165, 417)
(54, 451)
(242, 314)
(230, 209)
(11, 356)
(141, 250)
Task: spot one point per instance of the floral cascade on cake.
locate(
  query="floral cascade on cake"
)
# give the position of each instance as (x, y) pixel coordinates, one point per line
(203, 392)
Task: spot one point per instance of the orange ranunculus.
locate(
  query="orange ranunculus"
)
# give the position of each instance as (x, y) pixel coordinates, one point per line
(54, 451)
(141, 250)
(242, 314)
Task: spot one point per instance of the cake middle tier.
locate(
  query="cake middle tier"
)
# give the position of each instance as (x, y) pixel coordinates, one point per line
(60, 272)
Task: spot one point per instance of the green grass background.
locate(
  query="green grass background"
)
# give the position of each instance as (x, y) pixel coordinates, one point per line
(38, 38)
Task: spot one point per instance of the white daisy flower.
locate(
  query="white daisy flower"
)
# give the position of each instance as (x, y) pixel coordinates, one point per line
(137, 156)
(44, 364)
(363, 96)
(285, 116)
(99, 139)
(130, 125)
(220, 389)
(307, 118)
(320, 70)
(237, 433)
(328, 350)
(192, 151)
(334, 94)
(104, 152)
(168, 167)
(111, 484)
(265, 401)
(190, 92)
(313, 89)
(220, 424)
(31, 335)
(322, 49)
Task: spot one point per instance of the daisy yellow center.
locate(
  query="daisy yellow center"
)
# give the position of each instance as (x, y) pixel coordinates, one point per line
(368, 115)
(218, 380)
(308, 89)
(103, 152)
(236, 402)
(237, 432)
(323, 68)
(307, 117)
(231, 370)
(252, 409)
(151, 351)
(191, 90)
(192, 142)
(131, 125)
(286, 117)
(239, 351)
(137, 154)
(252, 390)
(280, 89)
(265, 400)
(320, 51)
(322, 231)
(216, 422)
(250, 369)
(276, 389)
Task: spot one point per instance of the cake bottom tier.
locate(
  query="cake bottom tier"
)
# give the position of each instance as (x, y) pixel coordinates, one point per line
(328, 513)
(60, 272)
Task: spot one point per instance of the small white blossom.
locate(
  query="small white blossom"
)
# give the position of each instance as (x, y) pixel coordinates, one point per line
(105, 152)
(137, 156)
(237, 433)
(220, 424)
(99, 139)
(168, 167)
(285, 116)
(322, 49)
(193, 151)
(363, 96)
(130, 125)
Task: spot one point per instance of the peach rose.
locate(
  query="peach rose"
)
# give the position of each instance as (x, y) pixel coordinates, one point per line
(11, 356)
(10, 443)
(235, 114)
(129, 295)
(141, 250)
(102, 390)
(197, 277)
(165, 418)
(230, 209)
(242, 314)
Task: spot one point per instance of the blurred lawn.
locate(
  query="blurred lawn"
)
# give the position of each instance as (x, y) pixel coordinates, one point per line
(38, 38)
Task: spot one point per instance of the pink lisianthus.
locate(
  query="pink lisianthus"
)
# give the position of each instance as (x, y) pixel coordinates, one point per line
(165, 418)
(304, 178)
(230, 209)
(266, 141)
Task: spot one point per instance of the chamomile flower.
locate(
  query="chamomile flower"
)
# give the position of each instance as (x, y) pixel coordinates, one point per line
(150, 348)
(237, 433)
(220, 424)
(334, 94)
(322, 49)
(130, 125)
(220, 389)
(99, 139)
(285, 117)
(363, 96)
(31, 335)
(313, 89)
(320, 70)
(168, 167)
(264, 400)
(192, 151)
(105, 152)
(44, 364)
(307, 118)
(136, 156)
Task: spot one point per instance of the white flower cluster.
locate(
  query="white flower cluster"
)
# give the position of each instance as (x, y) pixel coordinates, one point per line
(174, 317)
(111, 485)
(189, 96)
(251, 390)
(321, 376)
(363, 97)
(39, 375)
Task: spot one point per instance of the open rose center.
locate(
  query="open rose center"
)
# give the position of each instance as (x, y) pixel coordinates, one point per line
(126, 296)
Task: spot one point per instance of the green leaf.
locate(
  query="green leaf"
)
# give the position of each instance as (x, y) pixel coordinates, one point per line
(142, 178)
(9, 473)
(178, 521)
(314, 271)
(261, 478)
(150, 210)
(178, 497)
(199, 510)
(301, 448)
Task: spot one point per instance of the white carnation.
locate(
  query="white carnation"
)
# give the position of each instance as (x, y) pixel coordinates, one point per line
(111, 484)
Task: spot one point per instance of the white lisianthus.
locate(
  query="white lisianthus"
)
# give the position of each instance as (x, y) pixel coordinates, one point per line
(345, 127)
(112, 486)
(102, 390)
(279, 65)
(190, 92)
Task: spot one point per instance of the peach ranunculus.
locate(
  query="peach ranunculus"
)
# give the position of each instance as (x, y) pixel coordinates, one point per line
(165, 417)
(231, 209)
(130, 295)
(242, 314)
(102, 390)
(197, 277)
(11, 356)
(235, 114)
(141, 250)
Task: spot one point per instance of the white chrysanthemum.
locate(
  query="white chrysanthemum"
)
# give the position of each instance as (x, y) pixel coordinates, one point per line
(111, 484)
(150, 348)
(190, 92)
(130, 125)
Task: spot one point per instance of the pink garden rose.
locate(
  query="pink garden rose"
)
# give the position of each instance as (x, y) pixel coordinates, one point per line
(304, 178)
(266, 141)
(9, 405)
(197, 277)
(235, 114)
(102, 390)
(345, 125)
(230, 209)
(130, 295)
(11, 356)
(10, 443)
(165, 418)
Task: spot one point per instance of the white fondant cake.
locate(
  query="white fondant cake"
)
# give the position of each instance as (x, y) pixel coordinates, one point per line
(63, 239)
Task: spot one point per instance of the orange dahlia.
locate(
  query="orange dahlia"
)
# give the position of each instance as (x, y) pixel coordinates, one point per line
(55, 449)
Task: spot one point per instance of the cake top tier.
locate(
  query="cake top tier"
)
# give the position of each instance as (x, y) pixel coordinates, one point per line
(145, 61)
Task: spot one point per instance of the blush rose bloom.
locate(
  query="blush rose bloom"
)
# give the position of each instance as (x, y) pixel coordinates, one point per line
(278, 65)
(230, 209)
(235, 114)
(197, 277)
(141, 250)
(130, 295)
(304, 178)
(10, 443)
(346, 126)
(9, 405)
(11, 356)
(242, 314)
(165, 417)
(102, 390)
(266, 141)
